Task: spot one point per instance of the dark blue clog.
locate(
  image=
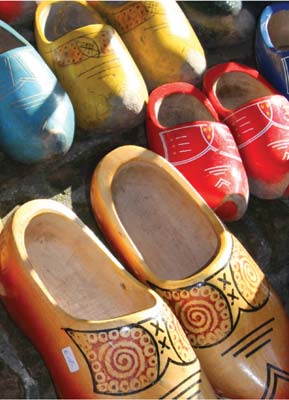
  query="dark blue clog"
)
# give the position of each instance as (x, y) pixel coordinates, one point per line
(36, 116)
(272, 45)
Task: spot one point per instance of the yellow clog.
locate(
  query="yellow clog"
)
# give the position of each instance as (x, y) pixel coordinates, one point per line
(171, 240)
(160, 39)
(102, 333)
(93, 65)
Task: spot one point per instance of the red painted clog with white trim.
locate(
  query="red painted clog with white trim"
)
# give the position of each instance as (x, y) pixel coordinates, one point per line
(183, 127)
(258, 117)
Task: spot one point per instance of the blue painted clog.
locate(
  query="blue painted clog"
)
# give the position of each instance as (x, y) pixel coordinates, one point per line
(36, 115)
(272, 45)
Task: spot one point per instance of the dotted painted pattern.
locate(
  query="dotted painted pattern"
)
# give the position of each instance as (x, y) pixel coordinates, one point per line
(123, 360)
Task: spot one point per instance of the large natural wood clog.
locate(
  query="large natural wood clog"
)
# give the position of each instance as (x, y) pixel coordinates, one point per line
(101, 332)
(171, 240)
(105, 86)
(258, 116)
(160, 39)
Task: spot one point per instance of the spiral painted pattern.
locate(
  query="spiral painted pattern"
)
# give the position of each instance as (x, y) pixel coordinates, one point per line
(205, 314)
(179, 339)
(123, 360)
(248, 277)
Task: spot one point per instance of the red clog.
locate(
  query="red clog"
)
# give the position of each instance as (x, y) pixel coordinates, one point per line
(183, 127)
(258, 117)
(15, 11)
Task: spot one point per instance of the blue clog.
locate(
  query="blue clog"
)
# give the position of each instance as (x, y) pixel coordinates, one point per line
(272, 45)
(36, 116)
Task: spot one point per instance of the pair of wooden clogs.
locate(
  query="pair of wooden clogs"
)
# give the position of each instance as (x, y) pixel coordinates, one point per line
(107, 54)
(240, 130)
(206, 314)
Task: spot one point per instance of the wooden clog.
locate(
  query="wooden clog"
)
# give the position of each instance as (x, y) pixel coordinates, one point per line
(106, 88)
(36, 115)
(160, 39)
(272, 45)
(171, 240)
(102, 333)
(258, 116)
(17, 11)
(183, 127)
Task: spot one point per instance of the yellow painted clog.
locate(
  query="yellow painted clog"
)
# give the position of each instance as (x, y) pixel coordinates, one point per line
(93, 65)
(101, 332)
(172, 241)
(160, 39)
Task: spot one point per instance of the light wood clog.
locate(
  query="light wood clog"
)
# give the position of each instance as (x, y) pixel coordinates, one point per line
(171, 240)
(92, 63)
(101, 332)
(160, 39)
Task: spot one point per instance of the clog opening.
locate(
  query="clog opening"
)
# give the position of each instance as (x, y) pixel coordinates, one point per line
(234, 89)
(66, 16)
(78, 274)
(278, 29)
(173, 235)
(181, 108)
(8, 41)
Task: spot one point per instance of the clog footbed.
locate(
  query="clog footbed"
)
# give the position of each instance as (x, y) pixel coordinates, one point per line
(183, 127)
(160, 39)
(272, 45)
(258, 116)
(171, 240)
(101, 333)
(36, 115)
(107, 90)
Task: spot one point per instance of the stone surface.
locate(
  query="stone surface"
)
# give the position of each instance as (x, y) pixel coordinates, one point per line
(264, 230)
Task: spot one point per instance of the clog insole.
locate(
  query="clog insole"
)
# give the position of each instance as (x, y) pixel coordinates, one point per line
(178, 109)
(278, 28)
(234, 89)
(8, 41)
(170, 231)
(77, 274)
(64, 17)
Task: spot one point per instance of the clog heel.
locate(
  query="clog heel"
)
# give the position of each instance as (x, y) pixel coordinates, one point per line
(183, 127)
(36, 115)
(171, 240)
(101, 333)
(258, 116)
(92, 63)
(160, 39)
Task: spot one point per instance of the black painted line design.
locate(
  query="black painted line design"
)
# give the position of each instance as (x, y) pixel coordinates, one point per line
(257, 348)
(276, 376)
(180, 384)
(252, 342)
(187, 389)
(194, 395)
(273, 374)
(246, 336)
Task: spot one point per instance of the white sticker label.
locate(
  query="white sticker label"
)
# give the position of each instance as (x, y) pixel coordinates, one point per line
(70, 359)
